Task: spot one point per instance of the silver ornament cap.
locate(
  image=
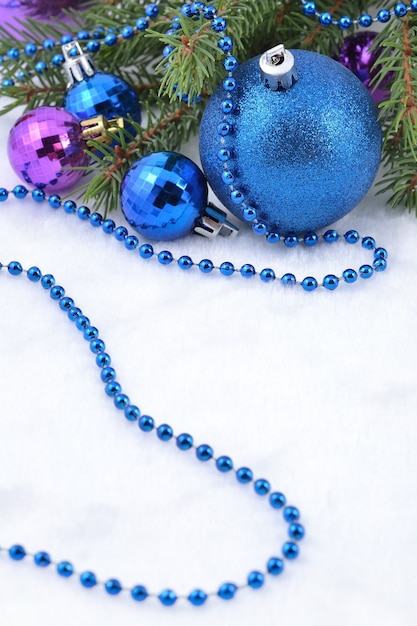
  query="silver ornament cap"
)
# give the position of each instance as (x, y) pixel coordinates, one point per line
(278, 69)
(78, 65)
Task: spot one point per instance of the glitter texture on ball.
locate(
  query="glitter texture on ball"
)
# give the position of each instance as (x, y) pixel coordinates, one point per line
(303, 157)
(44, 142)
(163, 194)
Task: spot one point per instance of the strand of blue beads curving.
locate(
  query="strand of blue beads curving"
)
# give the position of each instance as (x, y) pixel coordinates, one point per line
(147, 251)
(399, 10)
(184, 442)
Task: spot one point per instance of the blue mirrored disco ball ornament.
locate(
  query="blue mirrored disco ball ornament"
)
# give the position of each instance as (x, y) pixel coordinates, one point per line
(91, 93)
(163, 194)
(293, 135)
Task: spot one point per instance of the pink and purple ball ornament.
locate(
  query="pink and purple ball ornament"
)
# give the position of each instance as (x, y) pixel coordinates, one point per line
(42, 144)
(13, 10)
(357, 55)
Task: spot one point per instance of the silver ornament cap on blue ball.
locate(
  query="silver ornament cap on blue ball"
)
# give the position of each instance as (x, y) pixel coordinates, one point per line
(299, 141)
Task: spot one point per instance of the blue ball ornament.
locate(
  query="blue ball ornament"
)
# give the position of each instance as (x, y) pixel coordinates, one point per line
(302, 157)
(102, 94)
(163, 194)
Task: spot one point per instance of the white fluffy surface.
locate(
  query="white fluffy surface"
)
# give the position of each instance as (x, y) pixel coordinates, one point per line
(316, 392)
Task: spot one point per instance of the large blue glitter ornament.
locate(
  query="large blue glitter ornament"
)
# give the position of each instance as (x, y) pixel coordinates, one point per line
(92, 93)
(302, 156)
(163, 194)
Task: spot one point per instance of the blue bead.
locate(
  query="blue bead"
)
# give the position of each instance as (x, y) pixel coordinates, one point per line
(230, 64)
(273, 237)
(113, 586)
(413, 5)
(142, 23)
(98, 33)
(275, 566)
(7, 82)
(184, 441)
(227, 106)
(352, 236)
(108, 374)
(227, 591)
(110, 39)
(165, 257)
(249, 214)
(291, 513)
(17, 552)
(288, 280)
(224, 464)
(309, 283)
(132, 413)
(219, 24)
(121, 401)
(54, 201)
(309, 8)
(267, 275)
(227, 269)
(83, 35)
(82, 322)
(162, 195)
(88, 579)
(103, 359)
(209, 12)
(58, 60)
(127, 32)
(259, 228)
(167, 597)
(146, 251)
(229, 84)
(90, 333)
(112, 389)
(225, 44)
(185, 262)
(13, 53)
(296, 531)
(40, 67)
(48, 44)
(139, 593)
(224, 155)
(164, 432)
(384, 15)
(197, 597)
(262, 487)
(310, 239)
(73, 314)
(66, 303)
(83, 212)
(365, 271)
(97, 345)
(15, 268)
(120, 233)
(350, 276)
(330, 282)
(244, 475)
(131, 242)
(326, 19)
(47, 281)
(291, 241)
(108, 227)
(365, 20)
(4, 194)
(379, 265)
(20, 192)
(330, 236)
(42, 559)
(223, 129)
(34, 274)
(256, 580)
(204, 452)
(400, 9)
(247, 270)
(167, 50)
(65, 569)
(345, 22)
(96, 220)
(277, 500)
(206, 266)
(146, 423)
(70, 206)
(381, 253)
(93, 47)
(290, 550)
(30, 49)
(57, 292)
(66, 38)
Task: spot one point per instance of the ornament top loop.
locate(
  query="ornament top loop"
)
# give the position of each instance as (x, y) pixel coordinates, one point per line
(78, 65)
(100, 129)
(278, 68)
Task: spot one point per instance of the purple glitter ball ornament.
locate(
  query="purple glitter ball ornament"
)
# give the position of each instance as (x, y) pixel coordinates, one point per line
(357, 56)
(42, 143)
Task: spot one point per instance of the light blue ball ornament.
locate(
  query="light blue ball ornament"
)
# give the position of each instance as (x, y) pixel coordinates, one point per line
(163, 194)
(293, 138)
